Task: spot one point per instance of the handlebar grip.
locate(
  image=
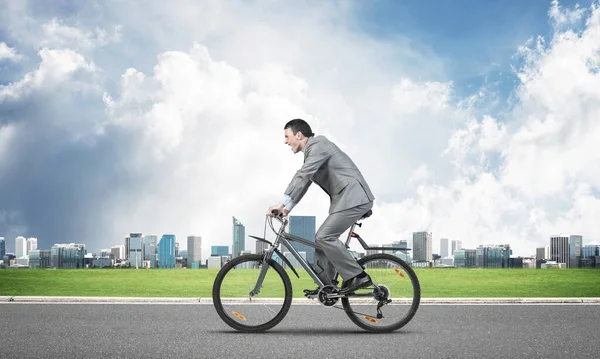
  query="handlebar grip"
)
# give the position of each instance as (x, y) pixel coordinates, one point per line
(276, 212)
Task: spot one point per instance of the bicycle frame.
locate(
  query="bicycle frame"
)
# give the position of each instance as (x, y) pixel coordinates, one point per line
(285, 239)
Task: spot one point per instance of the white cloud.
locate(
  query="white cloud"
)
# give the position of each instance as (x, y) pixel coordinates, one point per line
(410, 97)
(199, 123)
(8, 53)
(56, 34)
(561, 16)
(56, 67)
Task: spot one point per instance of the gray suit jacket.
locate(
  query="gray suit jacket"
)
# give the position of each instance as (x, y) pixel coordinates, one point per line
(329, 167)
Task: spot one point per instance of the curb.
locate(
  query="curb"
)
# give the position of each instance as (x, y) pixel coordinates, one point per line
(298, 301)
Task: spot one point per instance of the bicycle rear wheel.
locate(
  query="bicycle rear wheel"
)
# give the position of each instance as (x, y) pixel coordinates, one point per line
(232, 300)
(395, 281)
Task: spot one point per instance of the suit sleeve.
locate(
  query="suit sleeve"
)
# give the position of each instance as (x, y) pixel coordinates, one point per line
(316, 156)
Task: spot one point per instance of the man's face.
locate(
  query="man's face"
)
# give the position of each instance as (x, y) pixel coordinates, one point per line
(293, 140)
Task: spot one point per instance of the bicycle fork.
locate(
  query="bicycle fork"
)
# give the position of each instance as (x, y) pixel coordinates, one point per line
(262, 274)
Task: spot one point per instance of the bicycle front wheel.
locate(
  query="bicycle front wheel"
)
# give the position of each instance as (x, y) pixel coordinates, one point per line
(393, 300)
(240, 310)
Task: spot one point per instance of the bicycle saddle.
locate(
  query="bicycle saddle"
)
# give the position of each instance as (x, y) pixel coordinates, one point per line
(367, 215)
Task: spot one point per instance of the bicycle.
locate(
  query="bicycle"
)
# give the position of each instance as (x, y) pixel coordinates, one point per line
(241, 281)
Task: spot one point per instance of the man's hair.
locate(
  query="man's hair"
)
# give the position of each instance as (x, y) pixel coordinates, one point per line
(299, 125)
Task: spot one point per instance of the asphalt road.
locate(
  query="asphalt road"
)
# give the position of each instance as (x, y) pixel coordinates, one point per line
(30, 330)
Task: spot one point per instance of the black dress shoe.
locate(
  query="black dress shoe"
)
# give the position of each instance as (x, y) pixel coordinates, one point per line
(355, 284)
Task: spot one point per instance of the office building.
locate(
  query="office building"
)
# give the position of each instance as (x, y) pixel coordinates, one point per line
(150, 242)
(71, 255)
(515, 262)
(31, 244)
(136, 250)
(194, 251)
(444, 248)
(40, 258)
(542, 253)
(222, 251)
(465, 258)
(2, 247)
(575, 243)
(590, 256)
(493, 256)
(239, 238)
(214, 262)
(304, 227)
(20, 247)
(559, 249)
(118, 252)
(456, 245)
(137, 239)
(166, 251)
(422, 247)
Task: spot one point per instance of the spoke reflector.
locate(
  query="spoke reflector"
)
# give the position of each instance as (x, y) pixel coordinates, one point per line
(399, 272)
(372, 320)
(239, 316)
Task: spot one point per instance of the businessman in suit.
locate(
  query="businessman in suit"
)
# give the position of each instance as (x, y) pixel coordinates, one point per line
(329, 167)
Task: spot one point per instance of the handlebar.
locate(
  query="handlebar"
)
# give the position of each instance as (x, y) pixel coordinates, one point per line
(277, 213)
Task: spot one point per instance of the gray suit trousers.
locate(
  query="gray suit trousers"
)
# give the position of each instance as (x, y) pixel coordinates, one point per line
(330, 253)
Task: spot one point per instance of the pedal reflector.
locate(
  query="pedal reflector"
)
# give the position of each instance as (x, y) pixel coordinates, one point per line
(239, 316)
(399, 272)
(369, 319)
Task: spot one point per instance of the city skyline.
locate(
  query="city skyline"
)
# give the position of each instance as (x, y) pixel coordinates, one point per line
(573, 243)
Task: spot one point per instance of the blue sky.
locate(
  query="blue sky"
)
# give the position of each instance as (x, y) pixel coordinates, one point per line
(475, 39)
(117, 117)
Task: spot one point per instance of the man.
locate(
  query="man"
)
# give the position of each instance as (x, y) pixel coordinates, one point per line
(326, 165)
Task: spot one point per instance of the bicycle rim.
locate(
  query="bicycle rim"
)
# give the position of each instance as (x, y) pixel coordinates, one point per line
(398, 282)
(232, 300)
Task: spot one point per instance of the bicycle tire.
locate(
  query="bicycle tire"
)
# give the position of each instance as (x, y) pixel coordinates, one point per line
(217, 302)
(414, 305)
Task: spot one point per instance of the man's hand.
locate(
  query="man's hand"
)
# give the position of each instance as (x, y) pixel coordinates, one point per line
(279, 208)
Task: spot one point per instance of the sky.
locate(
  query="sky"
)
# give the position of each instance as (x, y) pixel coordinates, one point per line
(473, 120)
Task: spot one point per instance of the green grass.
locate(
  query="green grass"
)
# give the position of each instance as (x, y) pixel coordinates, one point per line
(435, 283)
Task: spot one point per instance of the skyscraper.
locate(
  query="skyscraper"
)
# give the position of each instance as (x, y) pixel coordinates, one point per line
(422, 246)
(239, 236)
(542, 253)
(31, 245)
(166, 251)
(444, 249)
(456, 245)
(194, 251)
(559, 249)
(149, 246)
(304, 227)
(20, 247)
(2, 247)
(575, 243)
(118, 252)
(136, 250)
